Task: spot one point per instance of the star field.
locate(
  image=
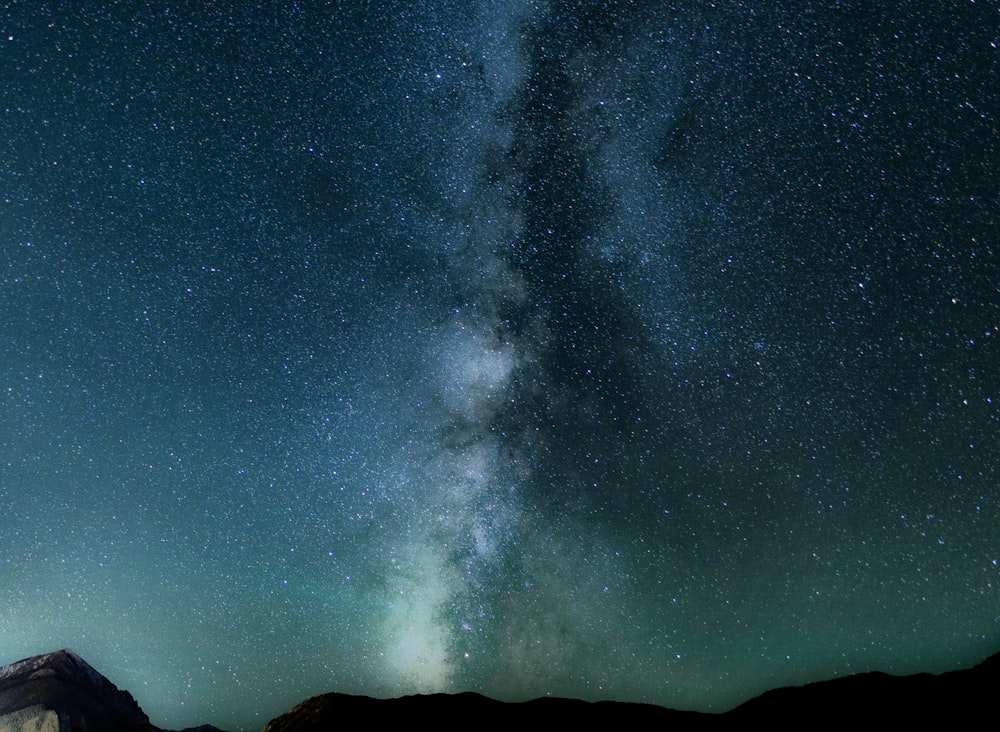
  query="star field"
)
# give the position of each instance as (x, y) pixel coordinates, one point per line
(618, 350)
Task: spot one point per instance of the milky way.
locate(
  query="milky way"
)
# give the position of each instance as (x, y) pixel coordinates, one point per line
(621, 350)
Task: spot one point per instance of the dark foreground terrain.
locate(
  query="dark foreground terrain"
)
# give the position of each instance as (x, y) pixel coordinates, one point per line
(59, 692)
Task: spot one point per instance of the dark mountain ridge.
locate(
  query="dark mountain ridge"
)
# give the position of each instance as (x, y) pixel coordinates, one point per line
(951, 697)
(59, 692)
(919, 699)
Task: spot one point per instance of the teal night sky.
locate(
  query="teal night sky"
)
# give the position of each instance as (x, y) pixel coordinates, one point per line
(629, 350)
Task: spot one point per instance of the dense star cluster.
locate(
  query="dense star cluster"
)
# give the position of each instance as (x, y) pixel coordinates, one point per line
(620, 350)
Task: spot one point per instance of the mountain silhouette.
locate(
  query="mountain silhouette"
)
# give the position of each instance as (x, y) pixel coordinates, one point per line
(921, 699)
(60, 692)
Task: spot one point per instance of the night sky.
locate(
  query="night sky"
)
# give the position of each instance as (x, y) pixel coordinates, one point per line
(639, 351)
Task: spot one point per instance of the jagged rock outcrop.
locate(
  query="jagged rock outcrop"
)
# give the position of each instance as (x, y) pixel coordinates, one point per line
(59, 692)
